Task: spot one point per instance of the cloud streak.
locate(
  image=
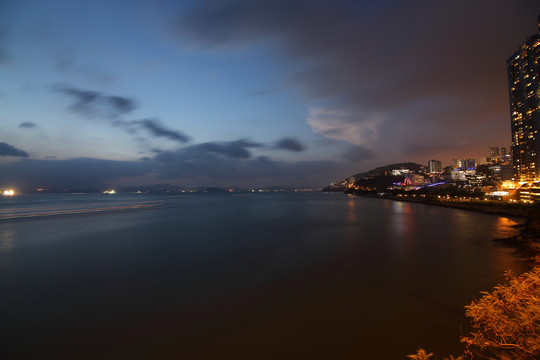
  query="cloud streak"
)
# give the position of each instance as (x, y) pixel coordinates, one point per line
(232, 162)
(94, 104)
(238, 149)
(111, 108)
(27, 125)
(343, 125)
(154, 127)
(8, 150)
(289, 144)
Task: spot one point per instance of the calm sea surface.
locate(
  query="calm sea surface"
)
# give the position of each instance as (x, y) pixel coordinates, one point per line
(262, 276)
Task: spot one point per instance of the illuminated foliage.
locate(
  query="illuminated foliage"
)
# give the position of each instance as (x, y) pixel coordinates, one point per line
(422, 355)
(506, 321)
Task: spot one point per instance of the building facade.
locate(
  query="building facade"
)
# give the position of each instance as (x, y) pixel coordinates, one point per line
(523, 77)
(468, 163)
(414, 179)
(462, 174)
(434, 166)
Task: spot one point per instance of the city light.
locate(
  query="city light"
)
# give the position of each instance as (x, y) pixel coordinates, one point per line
(8, 192)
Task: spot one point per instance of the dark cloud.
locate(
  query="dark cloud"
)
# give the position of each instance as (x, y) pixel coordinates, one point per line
(8, 150)
(27, 125)
(191, 166)
(358, 154)
(231, 163)
(233, 149)
(72, 173)
(120, 105)
(238, 149)
(388, 68)
(159, 130)
(289, 144)
(95, 104)
(111, 108)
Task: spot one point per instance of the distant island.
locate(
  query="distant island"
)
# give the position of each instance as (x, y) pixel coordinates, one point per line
(165, 189)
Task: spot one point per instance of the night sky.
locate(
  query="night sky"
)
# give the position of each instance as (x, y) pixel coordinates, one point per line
(249, 93)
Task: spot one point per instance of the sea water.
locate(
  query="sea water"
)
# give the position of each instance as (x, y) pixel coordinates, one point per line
(243, 276)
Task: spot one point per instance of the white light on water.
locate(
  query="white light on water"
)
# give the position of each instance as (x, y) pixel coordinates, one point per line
(8, 192)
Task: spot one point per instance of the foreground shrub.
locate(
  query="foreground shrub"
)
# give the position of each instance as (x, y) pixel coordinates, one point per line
(506, 321)
(422, 355)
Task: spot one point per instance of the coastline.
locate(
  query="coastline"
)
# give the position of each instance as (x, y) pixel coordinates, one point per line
(517, 210)
(526, 242)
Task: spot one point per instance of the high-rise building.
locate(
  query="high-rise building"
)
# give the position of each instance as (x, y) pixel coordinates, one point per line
(523, 77)
(468, 163)
(464, 163)
(494, 155)
(505, 156)
(434, 166)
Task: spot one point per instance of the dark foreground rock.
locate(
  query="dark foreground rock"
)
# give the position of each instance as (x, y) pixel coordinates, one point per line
(527, 241)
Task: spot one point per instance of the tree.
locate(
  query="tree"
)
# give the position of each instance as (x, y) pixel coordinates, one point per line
(506, 321)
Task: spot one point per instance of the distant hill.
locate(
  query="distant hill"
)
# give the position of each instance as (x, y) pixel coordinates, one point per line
(167, 189)
(378, 178)
(381, 170)
(156, 188)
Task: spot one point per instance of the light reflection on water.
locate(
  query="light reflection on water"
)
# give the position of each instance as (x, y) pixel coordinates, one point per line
(267, 276)
(59, 208)
(7, 238)
(505, 226)
(351, 214)
(402, 222)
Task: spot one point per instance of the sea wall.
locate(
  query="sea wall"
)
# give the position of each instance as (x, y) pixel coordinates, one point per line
(491, 207)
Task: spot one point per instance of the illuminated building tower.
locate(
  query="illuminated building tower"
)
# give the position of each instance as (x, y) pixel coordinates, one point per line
(506, 157)
(434, 166)
(523, 75)
(469, 163)
(494, 155)
(456, 163)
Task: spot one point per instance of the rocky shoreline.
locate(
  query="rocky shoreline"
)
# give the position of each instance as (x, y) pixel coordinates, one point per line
(527, 241)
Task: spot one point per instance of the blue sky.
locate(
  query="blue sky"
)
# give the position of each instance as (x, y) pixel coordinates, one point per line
(251, 93)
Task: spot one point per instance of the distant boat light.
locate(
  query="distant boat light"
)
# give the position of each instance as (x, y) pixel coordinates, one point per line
(9, 192)
(109, 192)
